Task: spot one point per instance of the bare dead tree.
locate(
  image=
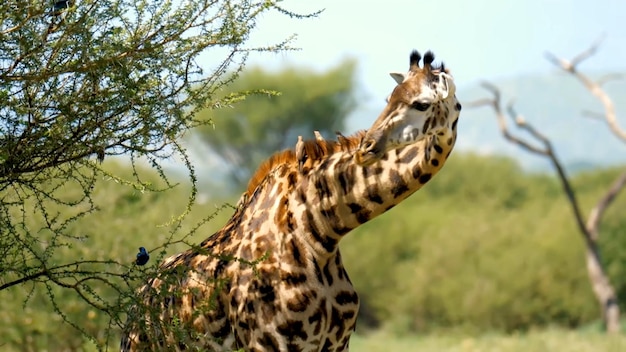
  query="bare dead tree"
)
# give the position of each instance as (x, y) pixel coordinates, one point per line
(589, 229)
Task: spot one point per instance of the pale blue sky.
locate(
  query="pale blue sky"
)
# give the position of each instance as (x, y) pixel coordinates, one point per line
(478, 39)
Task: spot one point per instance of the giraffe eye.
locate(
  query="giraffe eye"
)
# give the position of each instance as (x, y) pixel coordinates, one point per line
(420, 106)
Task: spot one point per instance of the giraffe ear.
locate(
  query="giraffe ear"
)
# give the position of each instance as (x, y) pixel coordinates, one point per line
(397, 76)
(444, 87)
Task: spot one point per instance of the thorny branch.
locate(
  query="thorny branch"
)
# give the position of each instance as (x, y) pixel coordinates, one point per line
(102, 79)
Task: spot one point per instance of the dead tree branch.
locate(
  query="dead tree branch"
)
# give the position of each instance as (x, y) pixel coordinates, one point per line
(604, 291)
(594, 87)
(544, 149)
(595, 216)
(496, 106)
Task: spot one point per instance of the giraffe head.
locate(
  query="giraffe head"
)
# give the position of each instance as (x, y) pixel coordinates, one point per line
(421, 105)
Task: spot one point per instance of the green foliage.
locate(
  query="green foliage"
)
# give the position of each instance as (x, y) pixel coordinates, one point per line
(285, 104)
(95, 79)
(110, 78)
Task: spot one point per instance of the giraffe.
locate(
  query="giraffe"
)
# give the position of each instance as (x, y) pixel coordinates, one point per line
(272, 278)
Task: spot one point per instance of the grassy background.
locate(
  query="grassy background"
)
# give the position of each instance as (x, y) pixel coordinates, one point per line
(536, 341)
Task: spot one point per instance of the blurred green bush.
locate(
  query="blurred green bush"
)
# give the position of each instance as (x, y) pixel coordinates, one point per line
(485, 246)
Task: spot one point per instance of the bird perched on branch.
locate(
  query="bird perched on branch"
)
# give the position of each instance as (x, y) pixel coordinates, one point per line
(142, 256)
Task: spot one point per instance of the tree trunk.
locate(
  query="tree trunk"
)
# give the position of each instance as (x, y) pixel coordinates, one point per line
(604, 291)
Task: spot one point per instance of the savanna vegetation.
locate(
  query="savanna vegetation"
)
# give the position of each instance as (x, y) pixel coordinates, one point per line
(484, 247)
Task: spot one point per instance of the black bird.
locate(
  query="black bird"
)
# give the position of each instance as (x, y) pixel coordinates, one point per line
(142, 256)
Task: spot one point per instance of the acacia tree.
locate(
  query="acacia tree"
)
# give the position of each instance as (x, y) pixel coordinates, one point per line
(589, 228)
(80, 81)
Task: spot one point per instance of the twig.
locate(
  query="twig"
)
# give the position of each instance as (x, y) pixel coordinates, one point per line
(610, 77)
(593, 87)
(495, 105)
(521, 123)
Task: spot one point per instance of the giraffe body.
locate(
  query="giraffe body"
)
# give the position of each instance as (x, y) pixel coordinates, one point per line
(272, 279)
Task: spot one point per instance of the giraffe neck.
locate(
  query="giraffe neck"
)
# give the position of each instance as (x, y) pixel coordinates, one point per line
(337, 195)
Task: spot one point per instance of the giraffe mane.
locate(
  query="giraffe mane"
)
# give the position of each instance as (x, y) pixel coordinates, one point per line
(315, 150)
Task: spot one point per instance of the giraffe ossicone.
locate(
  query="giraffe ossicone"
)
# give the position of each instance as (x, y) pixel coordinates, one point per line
(272, 279)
